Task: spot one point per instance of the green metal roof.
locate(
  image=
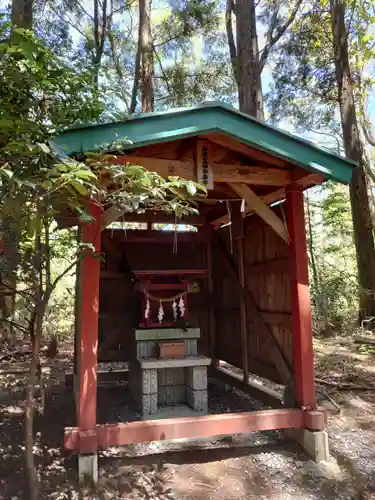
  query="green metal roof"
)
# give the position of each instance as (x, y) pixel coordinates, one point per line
(153, 128)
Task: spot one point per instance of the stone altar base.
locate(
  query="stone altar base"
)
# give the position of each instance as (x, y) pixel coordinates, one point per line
(156, 383)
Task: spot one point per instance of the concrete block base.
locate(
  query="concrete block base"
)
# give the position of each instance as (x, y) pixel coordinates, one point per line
(315, 443)
(88, 469)
(149, 403)
(197, 399)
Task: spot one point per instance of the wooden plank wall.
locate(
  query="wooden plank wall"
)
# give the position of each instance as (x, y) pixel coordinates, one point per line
(120, 303)
(267, 278)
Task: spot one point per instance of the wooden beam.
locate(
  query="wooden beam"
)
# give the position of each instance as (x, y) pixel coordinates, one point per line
(301, 305)
(262, 176)
(257, 205)
(211, 309)
(253, 388)
(223, 173)
(159, 237)
(113, 214)
(120, 434)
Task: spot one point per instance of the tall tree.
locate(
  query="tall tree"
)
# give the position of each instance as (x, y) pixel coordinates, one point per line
(249, 81)
(316, 80)
(248, 61)
(190, 55)
(363, 228)
(146, 55)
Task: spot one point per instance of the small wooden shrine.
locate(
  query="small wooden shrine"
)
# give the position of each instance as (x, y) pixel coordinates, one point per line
(236, 286)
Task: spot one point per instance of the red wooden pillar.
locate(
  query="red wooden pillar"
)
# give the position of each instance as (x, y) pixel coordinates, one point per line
(88, 323)
(300, 297)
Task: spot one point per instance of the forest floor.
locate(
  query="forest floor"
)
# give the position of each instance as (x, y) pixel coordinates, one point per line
(257, 466)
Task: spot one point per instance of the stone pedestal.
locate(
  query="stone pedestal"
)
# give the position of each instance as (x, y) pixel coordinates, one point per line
(155, 383)
(196, 388)
(143, 385)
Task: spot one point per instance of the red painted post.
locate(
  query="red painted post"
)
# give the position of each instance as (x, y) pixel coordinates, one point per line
(88, 343)
(300, 297)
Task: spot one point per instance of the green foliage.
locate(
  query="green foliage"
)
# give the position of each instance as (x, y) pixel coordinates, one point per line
(192, 55)
(334, 282)
(304, 86)
(37, 182)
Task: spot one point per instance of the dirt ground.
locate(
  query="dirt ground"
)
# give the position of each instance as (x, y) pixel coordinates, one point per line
(256, 466)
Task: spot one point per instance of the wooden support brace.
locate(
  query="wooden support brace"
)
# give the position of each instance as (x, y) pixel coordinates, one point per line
(303, 181)
(258, 206)
(253, 388)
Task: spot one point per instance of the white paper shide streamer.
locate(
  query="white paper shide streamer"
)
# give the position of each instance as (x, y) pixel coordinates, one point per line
(147, 310)
(174, 307)
(161, 313)
(181, 306)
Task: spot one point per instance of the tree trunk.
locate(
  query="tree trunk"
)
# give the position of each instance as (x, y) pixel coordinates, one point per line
(249, 74)
(22, 14)
(231, 42)
(100, 33)
(29, 414)
(137, 73)
(36, 324)
(147, 56)
(361, 214)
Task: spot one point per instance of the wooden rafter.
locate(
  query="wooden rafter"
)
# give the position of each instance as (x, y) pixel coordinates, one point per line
(258, 206)
(239, 147)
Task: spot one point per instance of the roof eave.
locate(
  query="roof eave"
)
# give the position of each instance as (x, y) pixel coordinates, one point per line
(183, 123)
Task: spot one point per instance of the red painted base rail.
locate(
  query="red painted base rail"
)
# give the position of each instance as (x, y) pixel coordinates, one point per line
(105, 435)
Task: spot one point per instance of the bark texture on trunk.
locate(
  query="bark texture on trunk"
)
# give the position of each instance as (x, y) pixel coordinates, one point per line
(100, 33)
(137, 73)
(30, 408)
(361, 214)
(230, 36)
(249, 73)
(146, 55)
(22, 13)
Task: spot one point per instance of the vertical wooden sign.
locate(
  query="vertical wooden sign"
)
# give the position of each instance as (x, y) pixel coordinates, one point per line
(205, 175)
